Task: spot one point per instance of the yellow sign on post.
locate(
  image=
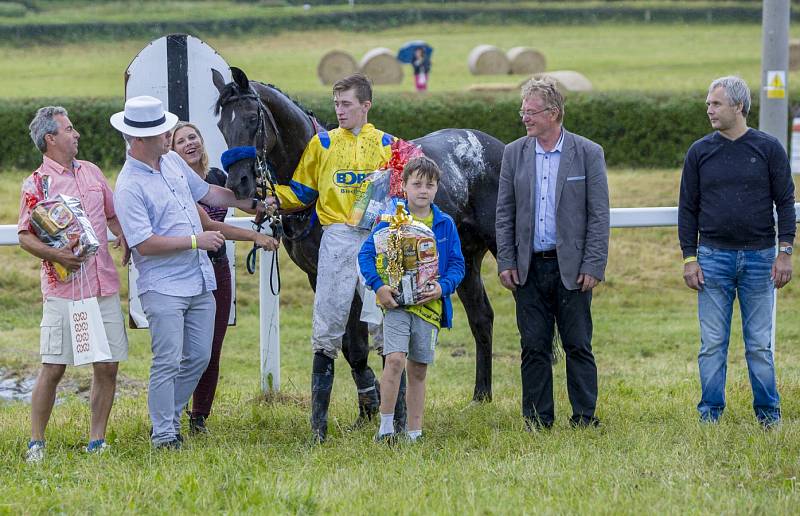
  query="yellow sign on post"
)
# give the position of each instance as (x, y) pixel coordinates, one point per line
(776, 84)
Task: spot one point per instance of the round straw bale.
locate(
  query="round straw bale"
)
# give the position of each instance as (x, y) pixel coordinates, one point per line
(493, 87)
(488, 60)
(566, 80)
(525, 60)
(381, 66)
(794, 54)
(335, 65)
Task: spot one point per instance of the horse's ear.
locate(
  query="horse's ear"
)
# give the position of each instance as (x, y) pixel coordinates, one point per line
(240, 78)
(219, 80)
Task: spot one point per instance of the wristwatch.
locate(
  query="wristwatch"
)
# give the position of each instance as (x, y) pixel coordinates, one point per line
(785, 249)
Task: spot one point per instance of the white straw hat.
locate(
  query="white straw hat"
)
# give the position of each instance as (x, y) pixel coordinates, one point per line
(143, 116)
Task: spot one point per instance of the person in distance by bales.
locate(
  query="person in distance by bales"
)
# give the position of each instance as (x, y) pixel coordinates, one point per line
(61, 173)
(731, 180)
(410, 332)
(188, 142)
(155, 198)
(552, 249)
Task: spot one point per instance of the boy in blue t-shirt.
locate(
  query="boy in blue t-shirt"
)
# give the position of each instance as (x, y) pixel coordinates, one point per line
(412, 331)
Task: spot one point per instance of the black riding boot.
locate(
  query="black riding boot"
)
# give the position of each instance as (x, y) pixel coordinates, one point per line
(400, 415)
(321, 386)
(368, 396)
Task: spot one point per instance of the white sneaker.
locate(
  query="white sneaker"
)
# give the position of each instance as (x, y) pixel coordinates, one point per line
(35, 453)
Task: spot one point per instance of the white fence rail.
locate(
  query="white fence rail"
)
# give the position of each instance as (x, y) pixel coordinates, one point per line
(269, 334)
(269, 303)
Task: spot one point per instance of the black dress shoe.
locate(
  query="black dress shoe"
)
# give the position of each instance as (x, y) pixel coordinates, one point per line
(534, 425)
(174, 444)
(178, 437)
(197, 424)
(584, 422)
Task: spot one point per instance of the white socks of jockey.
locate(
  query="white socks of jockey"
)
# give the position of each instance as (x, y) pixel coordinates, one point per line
(387, 424)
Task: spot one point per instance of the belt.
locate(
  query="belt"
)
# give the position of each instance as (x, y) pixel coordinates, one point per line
(546, 255)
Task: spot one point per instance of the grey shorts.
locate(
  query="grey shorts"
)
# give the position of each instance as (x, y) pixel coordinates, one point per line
(55, 339)
(404, 332)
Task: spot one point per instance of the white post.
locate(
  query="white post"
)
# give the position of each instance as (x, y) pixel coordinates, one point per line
(269, 306)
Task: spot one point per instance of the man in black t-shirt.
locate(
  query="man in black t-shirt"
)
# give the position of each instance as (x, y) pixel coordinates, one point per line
(731, 180)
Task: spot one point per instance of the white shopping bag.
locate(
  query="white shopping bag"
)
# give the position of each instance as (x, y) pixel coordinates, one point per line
(370, 311)
(89, 341)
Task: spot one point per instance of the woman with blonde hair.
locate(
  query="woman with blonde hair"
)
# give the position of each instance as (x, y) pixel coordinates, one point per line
(187, 141)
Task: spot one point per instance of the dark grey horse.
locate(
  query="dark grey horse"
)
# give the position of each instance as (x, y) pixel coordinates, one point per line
(260, 115)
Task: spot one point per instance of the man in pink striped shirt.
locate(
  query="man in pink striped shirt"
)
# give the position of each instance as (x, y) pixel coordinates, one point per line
(54, 135)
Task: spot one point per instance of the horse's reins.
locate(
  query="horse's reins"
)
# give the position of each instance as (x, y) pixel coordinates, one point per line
(264, 170)
(265, 182)
(264, 179)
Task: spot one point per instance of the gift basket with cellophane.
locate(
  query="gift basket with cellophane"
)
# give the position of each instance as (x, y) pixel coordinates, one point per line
(406, 256)
(375, 193)
(60, 221)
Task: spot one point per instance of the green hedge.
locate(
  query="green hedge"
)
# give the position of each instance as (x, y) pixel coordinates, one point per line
(382, 17)
(636, 130)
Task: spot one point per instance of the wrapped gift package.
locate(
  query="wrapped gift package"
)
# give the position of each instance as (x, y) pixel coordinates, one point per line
(61, 222)
(406, 257)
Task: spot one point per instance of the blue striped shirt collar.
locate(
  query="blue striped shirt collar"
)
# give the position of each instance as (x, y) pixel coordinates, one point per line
(557, 148)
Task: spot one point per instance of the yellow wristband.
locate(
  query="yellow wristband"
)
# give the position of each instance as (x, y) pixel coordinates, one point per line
(689, 259)
(194, 242)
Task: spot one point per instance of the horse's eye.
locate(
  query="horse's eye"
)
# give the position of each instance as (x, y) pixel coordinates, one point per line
(253, 120)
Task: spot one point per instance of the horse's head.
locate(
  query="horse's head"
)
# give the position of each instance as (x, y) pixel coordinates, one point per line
(249, 129)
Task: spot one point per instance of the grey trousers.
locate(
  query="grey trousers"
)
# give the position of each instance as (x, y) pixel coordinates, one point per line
(337, 283)
(181, 329)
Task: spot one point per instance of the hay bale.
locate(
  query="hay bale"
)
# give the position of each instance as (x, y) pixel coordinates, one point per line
(794, 54)
(567, 81)
(381, 66)
(526, 60)
(335, 65)
(493, 87)
(488, 60)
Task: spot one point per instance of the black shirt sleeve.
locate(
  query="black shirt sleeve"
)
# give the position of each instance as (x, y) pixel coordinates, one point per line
(782, 188)
(689, 204)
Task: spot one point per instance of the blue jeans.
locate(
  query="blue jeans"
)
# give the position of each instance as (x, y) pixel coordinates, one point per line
(728, 273)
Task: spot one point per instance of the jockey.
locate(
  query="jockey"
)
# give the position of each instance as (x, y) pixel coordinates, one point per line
(329, 173)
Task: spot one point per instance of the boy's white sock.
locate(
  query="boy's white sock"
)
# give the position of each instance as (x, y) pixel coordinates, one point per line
(387, 424)
(413, 435)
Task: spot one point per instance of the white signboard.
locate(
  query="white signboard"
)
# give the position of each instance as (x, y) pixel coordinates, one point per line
(177, 70)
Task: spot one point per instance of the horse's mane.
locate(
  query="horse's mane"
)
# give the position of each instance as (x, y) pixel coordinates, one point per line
(232, 90)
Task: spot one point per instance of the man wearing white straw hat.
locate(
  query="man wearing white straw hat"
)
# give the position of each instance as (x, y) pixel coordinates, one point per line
(156, 198)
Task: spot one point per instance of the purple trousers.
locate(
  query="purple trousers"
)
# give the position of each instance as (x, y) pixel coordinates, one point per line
(203, 396)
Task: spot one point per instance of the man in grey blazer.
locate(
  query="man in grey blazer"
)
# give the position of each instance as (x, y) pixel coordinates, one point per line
(552, 250)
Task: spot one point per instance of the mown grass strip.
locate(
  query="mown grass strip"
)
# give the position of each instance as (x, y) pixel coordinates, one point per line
(124, 21)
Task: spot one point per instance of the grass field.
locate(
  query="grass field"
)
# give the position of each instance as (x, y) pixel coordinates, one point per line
(613, 56)
(133, 11)
(651, 456)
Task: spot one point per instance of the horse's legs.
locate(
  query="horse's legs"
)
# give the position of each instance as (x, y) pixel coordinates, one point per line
(355, 348)
(481, 321)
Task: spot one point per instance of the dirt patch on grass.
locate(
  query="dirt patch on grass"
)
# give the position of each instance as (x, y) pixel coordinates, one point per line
(17, 385)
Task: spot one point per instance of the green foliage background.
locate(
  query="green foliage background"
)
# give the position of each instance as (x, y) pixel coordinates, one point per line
(636, 130)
